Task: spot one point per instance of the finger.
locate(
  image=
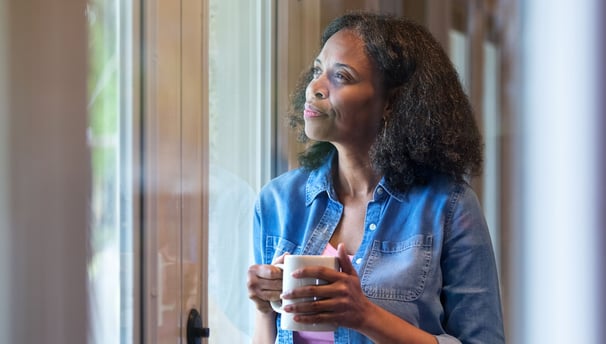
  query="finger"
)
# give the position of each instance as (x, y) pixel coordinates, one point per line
(344, 260)
(265, 295)
(268, 272)
(264, 286)
(280, 259)
(264, 289)
(317, 318)
(320, 272)
(317, 292)
(316, 305)
(264, 282)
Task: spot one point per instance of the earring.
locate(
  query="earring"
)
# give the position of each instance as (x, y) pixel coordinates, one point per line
(385, 119)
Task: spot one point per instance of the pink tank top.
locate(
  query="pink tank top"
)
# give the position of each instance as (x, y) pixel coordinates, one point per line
(317, 337)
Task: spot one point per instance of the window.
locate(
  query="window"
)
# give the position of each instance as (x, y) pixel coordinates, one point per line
(240, 134)
(232, 131)
(111, 270)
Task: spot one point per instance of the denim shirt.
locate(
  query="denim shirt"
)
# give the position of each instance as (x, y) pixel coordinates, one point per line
(426, 256)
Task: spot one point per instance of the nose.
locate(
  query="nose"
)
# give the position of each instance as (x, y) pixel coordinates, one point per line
(316, 89)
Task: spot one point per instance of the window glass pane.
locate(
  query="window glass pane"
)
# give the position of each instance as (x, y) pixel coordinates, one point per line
(458, 55)
(492, 146)
(110, 269)
(239, 129)
(459, 46)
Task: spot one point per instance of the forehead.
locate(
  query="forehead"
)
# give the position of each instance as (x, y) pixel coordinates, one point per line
(345, 47)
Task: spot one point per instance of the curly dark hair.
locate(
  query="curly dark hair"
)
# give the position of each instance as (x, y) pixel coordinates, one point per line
(430, 129)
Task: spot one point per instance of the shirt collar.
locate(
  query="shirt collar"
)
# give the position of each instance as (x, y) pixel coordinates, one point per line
(320, 181)
(390, 190)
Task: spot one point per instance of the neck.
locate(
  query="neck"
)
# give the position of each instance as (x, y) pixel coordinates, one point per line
(355, 177)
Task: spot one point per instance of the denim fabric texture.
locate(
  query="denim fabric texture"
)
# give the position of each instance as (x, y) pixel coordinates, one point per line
(426, 256)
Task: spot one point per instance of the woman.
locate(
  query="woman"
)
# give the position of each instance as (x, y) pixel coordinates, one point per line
(391, 141)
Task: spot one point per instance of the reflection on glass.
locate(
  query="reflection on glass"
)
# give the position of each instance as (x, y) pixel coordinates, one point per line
(109, 270)
(238, 126)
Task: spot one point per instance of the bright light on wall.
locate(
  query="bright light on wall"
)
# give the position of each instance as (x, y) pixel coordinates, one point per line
(559, 131)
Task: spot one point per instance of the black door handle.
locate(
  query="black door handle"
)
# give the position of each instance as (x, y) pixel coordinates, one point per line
(195, 331)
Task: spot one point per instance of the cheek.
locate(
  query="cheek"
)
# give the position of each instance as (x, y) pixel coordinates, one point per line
(359, 106)
(308, 94)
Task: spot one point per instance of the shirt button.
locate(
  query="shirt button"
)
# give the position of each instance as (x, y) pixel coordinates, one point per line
(359, 261)
(380, 191)
(372, 226)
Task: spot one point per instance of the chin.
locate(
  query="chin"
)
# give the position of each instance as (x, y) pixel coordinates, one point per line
(315, 136)
(317, 133)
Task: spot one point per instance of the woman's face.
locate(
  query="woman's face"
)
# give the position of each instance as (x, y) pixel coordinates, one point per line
(345, 100)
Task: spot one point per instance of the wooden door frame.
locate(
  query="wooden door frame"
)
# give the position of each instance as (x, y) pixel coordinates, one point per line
(174, 166)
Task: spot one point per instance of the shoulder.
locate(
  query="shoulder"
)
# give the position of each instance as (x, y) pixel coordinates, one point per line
(286, 185)
(462, 212)
(443, 189)
(445, 198)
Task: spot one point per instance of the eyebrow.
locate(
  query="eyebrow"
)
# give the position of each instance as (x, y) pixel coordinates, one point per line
(340, 65)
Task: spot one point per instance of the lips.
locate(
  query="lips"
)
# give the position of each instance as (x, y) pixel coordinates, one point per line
(311, 111)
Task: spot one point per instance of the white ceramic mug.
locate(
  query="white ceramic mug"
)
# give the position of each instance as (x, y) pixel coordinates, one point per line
(292, 263)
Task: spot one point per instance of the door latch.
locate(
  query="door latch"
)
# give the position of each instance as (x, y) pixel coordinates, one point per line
(195, 330)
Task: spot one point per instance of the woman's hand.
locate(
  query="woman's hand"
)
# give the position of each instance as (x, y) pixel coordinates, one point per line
(265, 284)
(343, 303)
(340, 302)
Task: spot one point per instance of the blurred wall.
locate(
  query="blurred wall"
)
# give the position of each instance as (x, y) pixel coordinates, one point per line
(4, 233)
(44, 172)
(601, 90)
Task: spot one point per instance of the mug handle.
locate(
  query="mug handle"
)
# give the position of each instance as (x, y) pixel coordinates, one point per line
(277, 305)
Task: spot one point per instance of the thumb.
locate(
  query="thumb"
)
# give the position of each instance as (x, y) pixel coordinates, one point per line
(280, 259)
(345, 261)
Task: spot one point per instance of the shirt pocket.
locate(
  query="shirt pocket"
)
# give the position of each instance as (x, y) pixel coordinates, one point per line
(276, 246)
(398, 270)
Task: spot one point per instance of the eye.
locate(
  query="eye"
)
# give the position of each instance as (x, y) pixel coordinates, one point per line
(341, 76)
(316, 72)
